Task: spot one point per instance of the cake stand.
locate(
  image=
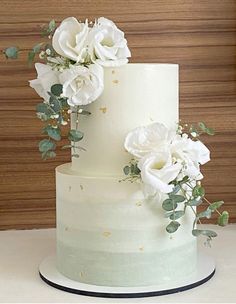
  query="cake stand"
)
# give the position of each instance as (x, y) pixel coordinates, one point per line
(49, 274)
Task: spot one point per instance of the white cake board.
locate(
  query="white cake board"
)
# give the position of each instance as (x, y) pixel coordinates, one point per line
(49, 273)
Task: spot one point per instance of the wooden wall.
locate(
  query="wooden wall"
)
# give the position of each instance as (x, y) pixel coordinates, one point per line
(199, 35)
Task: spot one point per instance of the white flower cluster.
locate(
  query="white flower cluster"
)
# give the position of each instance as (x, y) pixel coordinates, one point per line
(88, 50)
(164, 155)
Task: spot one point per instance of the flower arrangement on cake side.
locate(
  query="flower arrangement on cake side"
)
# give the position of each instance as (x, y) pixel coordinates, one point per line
(72, 75)
(165, 161)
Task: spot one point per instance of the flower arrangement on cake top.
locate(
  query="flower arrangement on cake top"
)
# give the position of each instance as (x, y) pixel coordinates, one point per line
(72, 75)
(167, 162)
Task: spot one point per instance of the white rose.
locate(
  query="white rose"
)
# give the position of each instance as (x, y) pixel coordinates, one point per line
(157, 170)
(192, 153)
(82, 85)
(47, 77)
(107, 45)
(152, 138)
(70, 39)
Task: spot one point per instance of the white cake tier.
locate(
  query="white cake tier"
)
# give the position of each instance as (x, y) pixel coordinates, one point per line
(134, 95)
(108, 234)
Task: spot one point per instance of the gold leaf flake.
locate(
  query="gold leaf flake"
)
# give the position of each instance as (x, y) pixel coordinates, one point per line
(81, 274)
(139, 204)
(141, 248)
(81, 187)
(106, 233)
(103, 110)
(115, 81)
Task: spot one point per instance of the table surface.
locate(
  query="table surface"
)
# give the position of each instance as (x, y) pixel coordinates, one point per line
(22, 251)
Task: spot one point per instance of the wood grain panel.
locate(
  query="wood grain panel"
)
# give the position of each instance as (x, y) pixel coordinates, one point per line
(198, 35)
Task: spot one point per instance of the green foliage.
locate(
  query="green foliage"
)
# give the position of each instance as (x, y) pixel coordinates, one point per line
(194, 202)
(56, 89)
(53, 132)
(172, 227)
(208, 233)
(49, 29)
(206, 213)
(46, 145)
(48, 154)
(132, 171)
(11, 52)
(75, 135)
(126, 170)
(55, 114)
(169, 204)
(176, 215)
(223, 219)
(177, 198)
(215, 205)
(198, 191)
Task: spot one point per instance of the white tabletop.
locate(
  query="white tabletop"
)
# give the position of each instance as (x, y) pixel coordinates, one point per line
(22, 251)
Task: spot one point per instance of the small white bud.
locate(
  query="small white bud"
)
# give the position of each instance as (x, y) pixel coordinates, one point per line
(80, 111)
(41, 55)
(194, 134)
(64, 123)
(69, 111)
(48, 51)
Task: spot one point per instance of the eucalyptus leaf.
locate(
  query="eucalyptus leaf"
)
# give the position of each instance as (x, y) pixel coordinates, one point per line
(54, 133)
(208, 233)
(169, 204)
(11, 52)
(177, 198)
(48, 154)
(215, 205)
(202, 126)
(176, 189)
(44, 108)
(46, 145)
(206, 213)
(54, 103)
(210, 131)
(56, 89)
(223, 219)
(194, 202)
(75, 135)
(176, 215)
(126, 170)
(31, 56)
(198, 191)
(47, 30)
(172, 227)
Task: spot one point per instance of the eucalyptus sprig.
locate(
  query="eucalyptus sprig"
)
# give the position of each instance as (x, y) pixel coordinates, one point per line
(43, 49)
(184, 196)
(132, 172)
(56, 115)
(195, 130)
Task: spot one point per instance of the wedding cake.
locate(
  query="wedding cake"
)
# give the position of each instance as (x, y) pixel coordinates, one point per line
(126, 204)
(107, 232)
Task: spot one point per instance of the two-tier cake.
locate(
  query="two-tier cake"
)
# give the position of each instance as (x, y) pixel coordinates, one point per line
(108, 233)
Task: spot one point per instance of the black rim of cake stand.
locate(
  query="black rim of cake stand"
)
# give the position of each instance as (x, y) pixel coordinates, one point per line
(127, 295)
